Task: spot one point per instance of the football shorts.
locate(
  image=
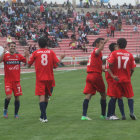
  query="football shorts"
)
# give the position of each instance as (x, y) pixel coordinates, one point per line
(125, 89)
(13, 86)
(43, 87)
(94, 82)
(112, 89)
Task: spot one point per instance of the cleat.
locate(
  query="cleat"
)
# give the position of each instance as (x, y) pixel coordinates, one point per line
(5, 113)
(85, 118)
(113, 118)
(133, 117)
(123, 118)
(41, 119)
(44, 121)
(17, 116)
(102, 117)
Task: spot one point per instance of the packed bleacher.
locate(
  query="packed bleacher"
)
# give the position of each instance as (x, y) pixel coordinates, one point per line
(70, 31)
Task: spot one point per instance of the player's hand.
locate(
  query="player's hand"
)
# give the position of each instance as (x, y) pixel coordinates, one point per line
(5, 49)
(115, 78)
(62, 56)
(103, 68)
(106, 40)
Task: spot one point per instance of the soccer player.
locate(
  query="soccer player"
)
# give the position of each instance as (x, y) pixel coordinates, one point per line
(94, 80)
(112, 89)
(45, 60)
(12, 61)
(123, 63)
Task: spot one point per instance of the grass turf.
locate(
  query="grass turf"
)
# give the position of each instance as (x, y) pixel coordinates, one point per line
(64, 113)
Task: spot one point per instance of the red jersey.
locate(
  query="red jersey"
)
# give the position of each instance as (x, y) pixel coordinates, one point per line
(45, 60)
(12, 66)
(95, 62)
(107, 75)
(123, 62)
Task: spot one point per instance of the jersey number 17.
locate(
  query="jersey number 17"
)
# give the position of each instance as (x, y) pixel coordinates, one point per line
(120, 58)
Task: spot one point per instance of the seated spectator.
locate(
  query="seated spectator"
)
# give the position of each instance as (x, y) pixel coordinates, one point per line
(73, 45)
(30, 49)
(9, 40)
(34, 48)
(84, 37)
(109, 6)
(125, 5)
(135, 29)
(22, 41)
(65, 34)
(84, 46)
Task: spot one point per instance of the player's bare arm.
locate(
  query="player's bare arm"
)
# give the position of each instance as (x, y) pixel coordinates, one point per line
(112, 75)
(61, 58)
(1, 57)
(101, 46)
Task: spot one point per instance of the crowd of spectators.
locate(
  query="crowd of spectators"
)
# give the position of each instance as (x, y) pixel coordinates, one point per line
(33, 20)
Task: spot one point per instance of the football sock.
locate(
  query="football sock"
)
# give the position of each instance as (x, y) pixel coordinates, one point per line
(41, 116)
(46, 104)
(43, 112)
(51, 90)
(113, 104)
(121, 106)
(17, 105)
(131, 104)
(103, 107)
(109, 109)
(6, 103)
(85, 107)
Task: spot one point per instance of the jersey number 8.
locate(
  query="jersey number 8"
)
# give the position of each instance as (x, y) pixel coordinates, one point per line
(44, 59)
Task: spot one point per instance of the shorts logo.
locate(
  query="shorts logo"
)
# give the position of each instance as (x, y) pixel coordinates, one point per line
(7, 89)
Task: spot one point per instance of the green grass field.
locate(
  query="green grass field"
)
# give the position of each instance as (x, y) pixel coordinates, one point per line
(64, 113)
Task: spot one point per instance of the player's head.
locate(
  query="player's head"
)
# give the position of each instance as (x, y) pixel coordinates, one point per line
(42, 42)
(12, 47)
(113, 47)
(97, 42)
(121, 42)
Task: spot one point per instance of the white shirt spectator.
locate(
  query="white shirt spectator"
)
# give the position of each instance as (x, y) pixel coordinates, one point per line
(135, 29)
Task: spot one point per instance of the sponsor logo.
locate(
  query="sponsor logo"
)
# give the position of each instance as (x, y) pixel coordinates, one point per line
(14, 68)
(12, 62)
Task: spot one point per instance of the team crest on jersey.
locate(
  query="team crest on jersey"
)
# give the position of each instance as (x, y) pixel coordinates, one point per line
(16, 56)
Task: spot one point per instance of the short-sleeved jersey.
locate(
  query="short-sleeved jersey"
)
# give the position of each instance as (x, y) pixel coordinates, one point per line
(95, 62)
(123, 62)
(45, 60)
(107, 75)
(12, 66)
